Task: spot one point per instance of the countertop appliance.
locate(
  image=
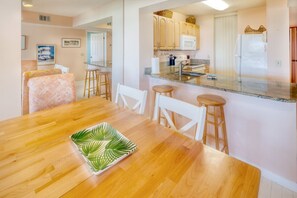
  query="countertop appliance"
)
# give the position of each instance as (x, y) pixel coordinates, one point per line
(251, 55)
(172, 60)
(187, 42)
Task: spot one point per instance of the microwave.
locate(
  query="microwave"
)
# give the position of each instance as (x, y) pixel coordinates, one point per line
(187, 42)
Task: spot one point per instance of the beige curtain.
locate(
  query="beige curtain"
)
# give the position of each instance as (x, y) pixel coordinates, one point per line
(225, 42)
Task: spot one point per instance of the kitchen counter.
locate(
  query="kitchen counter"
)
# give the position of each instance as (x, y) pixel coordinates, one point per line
(260, 117)
(273, 90)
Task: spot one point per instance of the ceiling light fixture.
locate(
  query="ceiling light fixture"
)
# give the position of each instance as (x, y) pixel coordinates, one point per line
(216, 4)
(28, 3)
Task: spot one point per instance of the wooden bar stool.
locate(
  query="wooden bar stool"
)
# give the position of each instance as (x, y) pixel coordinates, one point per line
(90, 81)
(166, 90)
(103, 81)
(217, 103)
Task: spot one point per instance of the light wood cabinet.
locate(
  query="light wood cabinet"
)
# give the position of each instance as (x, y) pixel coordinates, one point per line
(183, 28)
(162, 32)
(176, 35)
(191, 29)
(187, 28)
(167, 32)
(156, 32)
(170, 33)
(197, 34)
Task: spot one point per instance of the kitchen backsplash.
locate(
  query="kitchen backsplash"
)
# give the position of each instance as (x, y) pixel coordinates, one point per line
(180, 55)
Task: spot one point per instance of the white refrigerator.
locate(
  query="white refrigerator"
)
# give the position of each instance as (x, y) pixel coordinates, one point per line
(251, 55)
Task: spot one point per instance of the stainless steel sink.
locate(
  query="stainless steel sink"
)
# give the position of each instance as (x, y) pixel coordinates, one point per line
(196, 74)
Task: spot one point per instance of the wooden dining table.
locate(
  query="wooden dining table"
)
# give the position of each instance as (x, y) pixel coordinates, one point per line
(38, 159)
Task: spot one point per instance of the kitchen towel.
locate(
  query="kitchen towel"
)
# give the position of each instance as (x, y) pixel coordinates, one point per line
(155, 66)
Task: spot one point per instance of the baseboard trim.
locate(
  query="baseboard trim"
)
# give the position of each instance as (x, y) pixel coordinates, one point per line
(274, 177)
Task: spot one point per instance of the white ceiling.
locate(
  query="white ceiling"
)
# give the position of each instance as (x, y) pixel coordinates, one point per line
(69, 8)
(197, 9)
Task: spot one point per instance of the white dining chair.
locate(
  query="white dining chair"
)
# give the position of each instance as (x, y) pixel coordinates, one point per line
(196, 114)
(137, 95)
(63, 68)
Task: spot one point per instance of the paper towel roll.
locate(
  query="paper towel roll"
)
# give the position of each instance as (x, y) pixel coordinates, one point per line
(155, 66)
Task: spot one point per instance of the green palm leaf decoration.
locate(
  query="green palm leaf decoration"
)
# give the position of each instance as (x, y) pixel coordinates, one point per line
(102, 146)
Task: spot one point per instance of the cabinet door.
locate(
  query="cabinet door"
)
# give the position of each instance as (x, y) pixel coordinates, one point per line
(191, 29)
(169, 34)
(156, 32)
(162, 32)
(176, 35)
(197, 32)
(183, 28)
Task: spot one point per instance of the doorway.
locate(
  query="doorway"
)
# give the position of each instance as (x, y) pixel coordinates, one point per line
(96, 46)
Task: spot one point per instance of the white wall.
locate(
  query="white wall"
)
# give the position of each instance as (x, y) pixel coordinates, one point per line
(206, 50)
(254, 17)
(73, 58)
(278, 40)
(113, 9)
(293, 16)
(10, 59)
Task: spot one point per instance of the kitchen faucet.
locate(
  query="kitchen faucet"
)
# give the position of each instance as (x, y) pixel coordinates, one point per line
(182, 64)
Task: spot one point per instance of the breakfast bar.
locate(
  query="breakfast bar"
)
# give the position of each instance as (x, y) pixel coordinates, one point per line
(260, 117)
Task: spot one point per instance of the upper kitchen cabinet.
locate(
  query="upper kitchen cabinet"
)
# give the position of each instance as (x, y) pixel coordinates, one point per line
(197, 34)
(187, 28)
(156, 32)
(162, 33)
(170, 34)
(167, 33)
(164, 37)
(176, 35)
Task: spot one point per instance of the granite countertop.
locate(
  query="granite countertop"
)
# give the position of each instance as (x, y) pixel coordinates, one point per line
(273, 90)
(100, 63)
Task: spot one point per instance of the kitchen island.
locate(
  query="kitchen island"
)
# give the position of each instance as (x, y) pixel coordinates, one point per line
(260, 117)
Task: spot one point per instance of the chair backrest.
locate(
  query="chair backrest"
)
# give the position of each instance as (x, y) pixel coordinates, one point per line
(64, 69)
(194, 113)
(29, 65)
(50, 91)
(138, 95)
(25, 91)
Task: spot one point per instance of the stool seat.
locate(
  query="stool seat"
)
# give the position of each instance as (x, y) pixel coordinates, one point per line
(163, 88)
(211, 100)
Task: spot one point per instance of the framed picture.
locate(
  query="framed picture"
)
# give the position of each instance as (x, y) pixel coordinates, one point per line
(70, 42)
(23, 42)
(46, 54)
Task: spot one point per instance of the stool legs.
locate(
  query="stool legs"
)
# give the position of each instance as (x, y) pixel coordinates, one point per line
(103, 80)
(226, 148)
(85, 87)
(218, 115)
(90, 84)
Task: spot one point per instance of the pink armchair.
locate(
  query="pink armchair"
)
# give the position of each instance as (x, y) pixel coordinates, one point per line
(50, 91)
(25, 92)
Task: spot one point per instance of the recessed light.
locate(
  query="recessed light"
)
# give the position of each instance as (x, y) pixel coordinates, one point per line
(216, 4)
(27, 3)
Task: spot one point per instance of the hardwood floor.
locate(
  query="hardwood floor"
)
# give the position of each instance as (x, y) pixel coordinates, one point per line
(268, 188)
